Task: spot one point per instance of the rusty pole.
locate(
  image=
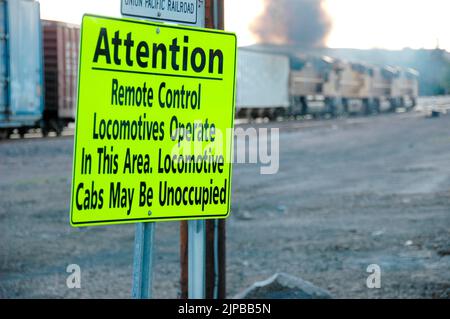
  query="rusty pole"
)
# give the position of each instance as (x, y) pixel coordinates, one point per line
(184, 259)
(215, 229)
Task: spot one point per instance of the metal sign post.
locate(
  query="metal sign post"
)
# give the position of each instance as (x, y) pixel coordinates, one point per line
(196, 259)
(144, 238)
(143, 261)
(197, 229)
(214, 256)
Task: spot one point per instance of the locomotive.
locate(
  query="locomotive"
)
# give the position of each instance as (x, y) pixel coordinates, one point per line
(273, 85)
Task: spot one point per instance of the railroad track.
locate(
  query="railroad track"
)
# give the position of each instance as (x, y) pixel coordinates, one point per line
(426, 105)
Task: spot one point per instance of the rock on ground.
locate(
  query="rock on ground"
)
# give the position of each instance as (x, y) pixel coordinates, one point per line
(283, 286)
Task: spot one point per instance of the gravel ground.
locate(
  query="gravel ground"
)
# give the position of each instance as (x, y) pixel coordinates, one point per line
(349, 193)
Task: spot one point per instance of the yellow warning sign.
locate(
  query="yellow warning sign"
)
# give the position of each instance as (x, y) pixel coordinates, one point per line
(154, 126)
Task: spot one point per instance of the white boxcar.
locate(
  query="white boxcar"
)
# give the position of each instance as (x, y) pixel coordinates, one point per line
(262, 82)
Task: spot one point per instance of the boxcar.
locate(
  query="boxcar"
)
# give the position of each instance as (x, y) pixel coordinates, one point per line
(21, 77)
(61, 47)
(262, 84)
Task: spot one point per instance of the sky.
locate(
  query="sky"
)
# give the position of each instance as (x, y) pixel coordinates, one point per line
(363, 24)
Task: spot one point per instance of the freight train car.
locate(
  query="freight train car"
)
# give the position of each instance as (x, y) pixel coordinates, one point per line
(61, 47)
(262, 81)
(21, 76)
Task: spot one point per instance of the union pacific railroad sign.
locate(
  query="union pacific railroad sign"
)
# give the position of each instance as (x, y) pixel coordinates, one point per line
(155, 113)
(177, 11)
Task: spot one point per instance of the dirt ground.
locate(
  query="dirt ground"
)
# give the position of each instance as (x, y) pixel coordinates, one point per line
(349, 193)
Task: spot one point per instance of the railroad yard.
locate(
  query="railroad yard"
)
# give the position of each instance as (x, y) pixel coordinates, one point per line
(350, 192)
